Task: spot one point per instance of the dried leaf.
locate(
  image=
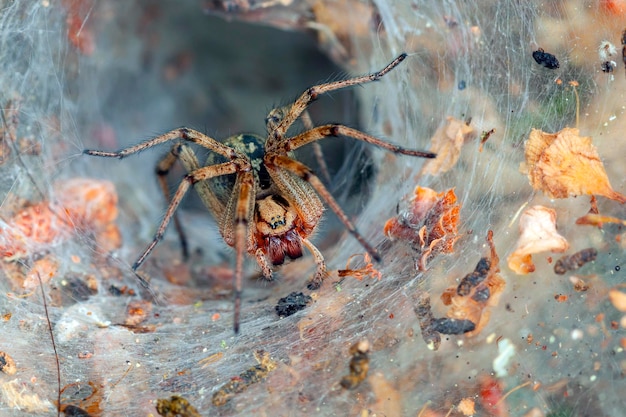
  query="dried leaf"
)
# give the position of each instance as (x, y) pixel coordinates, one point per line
(476, 292)
(429, 224)
(564, 164)
(598, 220)
(537, 234)
(618, 299)
(446, 143)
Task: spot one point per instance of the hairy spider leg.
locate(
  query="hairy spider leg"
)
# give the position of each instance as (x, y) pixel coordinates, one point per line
(162, 170)
(275, 161)
(278, 158)
(279, 130)
(334, 130)
(239, 208)
(238, 164)
(317, 148)
(193, 177)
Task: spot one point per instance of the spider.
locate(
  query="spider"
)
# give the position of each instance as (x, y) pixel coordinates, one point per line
(266, 202)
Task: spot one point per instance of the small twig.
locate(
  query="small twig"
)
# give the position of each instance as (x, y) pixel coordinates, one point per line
(512, 391)
(54, 346)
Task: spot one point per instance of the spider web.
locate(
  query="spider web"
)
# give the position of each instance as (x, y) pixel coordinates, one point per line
(142, 75)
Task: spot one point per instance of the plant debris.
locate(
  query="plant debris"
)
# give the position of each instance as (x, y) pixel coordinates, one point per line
(538, 233)
(359, 365)
(7, 364)
(176, 406)
(240, 383)
(447, 143)
(575, 261)
(429, 225)
(367, 270)
(565, 164)
(476, 291)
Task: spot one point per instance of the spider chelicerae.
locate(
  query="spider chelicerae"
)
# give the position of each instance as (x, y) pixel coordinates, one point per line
(266, 203)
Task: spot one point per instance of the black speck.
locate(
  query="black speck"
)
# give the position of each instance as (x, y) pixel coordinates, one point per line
(291, 304)
(617, 268)
(462, 85)
(113, 290)
(607, 66)
(545, 59)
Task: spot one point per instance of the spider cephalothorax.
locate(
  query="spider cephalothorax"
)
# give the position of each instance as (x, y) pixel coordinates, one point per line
(266, 202)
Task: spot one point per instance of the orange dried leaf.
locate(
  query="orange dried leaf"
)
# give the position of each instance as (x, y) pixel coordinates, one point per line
(367, 270)
(537, 234)
(429, 224)
(598, 220)
(564, 164)
(446, 143)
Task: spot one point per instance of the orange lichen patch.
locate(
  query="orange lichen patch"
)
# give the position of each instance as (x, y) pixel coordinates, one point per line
(83, 204)
(31, 229)
(42, 271)
(367, 270)
(88, 202)
(537, 234)
(476, 291)
(137, 311)
(564, 164)
(430, 224)
(446, 143)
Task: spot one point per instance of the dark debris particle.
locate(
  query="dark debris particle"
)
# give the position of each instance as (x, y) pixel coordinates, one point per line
(73, 411)
(453, 326)
(545, 59)
(176, 406)
(113, 290)
(473, 279)
(608, 66)
(575, 261)
(240, 383)
(359, 365)
(291, 304)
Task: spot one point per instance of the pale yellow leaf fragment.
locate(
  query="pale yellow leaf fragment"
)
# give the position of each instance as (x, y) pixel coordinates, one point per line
(618, 299)
(446, 143)
(537, 234)
(564, 164)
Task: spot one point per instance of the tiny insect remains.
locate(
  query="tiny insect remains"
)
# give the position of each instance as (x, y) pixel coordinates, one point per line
(545, 59)
(265, 202)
